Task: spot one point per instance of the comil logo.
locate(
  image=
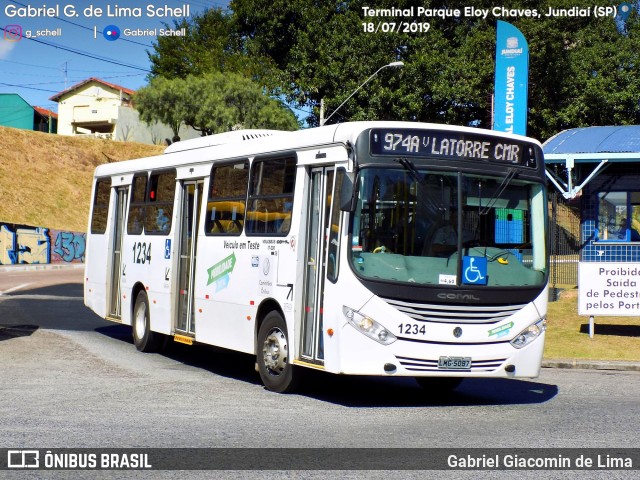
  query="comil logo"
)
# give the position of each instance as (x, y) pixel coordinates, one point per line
(13, 33)
(23, 459)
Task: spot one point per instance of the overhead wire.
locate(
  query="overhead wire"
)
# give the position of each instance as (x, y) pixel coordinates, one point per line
(202, 4)
(87, 28)
(85, 54)
(58, 68)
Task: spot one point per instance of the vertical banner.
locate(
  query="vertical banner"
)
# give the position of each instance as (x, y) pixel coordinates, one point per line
(512, 79)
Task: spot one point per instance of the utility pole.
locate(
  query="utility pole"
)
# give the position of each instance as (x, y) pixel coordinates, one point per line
(64, 70)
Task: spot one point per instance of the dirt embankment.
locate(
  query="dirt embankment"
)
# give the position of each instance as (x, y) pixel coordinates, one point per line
(45, 180)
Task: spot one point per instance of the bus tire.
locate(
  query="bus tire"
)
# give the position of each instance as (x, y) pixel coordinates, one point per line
(273, 356)
(439, 385)
(144, 339)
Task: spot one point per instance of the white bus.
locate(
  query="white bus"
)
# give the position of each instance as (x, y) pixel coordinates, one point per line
(368, 248)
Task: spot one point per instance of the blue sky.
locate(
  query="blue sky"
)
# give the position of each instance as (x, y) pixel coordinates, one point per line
(38, 68)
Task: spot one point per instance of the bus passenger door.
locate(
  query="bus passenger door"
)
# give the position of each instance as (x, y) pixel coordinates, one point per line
(317, 223)
(189, 220)
(115, 304)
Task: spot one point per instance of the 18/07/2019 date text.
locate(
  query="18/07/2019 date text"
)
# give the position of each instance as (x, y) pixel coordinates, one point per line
(396, 27)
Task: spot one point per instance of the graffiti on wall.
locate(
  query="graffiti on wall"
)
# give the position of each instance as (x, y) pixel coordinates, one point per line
(69, 247)
(21, 244)
(24, 245)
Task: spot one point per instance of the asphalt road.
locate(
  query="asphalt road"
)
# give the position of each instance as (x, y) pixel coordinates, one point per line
(71, 379)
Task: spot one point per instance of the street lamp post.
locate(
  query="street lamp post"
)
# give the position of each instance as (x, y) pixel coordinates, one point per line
(392, 64)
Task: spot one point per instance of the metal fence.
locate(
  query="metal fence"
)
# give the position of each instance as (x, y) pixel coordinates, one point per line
(564, 230)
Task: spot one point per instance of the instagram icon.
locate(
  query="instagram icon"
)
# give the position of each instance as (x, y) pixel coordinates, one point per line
(13, 33)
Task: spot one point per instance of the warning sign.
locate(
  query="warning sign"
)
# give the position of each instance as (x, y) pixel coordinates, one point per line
(608, 289)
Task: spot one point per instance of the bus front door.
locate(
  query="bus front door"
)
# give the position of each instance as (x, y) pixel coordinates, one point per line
(189, 220)
(317, 224)
(115, 304)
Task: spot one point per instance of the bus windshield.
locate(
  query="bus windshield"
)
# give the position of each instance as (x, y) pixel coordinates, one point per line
(413, 225)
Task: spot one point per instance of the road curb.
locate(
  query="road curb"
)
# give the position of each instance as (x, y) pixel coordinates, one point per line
(592, 365)
(43, 266)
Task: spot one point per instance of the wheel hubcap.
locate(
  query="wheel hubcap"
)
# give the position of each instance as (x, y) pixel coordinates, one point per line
(141, 320)
(275, 351)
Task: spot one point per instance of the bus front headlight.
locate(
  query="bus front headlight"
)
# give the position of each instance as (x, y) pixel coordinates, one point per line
(368, 326)
(529, 334)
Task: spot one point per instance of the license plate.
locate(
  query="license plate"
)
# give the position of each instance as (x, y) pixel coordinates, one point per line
(454, 363)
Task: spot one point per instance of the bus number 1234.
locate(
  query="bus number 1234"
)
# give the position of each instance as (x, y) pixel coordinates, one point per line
(141, 252)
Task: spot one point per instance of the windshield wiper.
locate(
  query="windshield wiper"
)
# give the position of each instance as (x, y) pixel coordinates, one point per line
(434, 207)
(410, 167)
(501, 188)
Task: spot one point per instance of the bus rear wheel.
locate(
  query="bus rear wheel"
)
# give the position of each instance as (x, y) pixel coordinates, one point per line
(144, 339)
(276, 372)
(439, 385)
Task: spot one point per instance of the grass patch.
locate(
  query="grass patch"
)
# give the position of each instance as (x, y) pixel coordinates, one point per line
(616, 338)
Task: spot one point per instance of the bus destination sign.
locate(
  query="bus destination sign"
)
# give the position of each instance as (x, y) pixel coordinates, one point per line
(440, 143)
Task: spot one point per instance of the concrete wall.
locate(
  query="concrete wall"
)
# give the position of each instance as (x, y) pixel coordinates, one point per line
(25, 244)
(131, 129)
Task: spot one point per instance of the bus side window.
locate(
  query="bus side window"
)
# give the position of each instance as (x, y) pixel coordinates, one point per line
(227, 199)
(271, 196)
(101, 206)
(159, 203)
(135, 220)
(334, 228)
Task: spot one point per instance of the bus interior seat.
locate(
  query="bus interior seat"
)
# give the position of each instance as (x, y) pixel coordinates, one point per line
(217, 227)
(285, 224)
(234, 226)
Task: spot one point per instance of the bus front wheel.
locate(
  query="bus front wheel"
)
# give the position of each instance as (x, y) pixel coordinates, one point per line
(144, 339)
(276, 371)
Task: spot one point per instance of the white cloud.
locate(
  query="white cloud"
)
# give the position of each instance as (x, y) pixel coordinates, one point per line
(6, 48)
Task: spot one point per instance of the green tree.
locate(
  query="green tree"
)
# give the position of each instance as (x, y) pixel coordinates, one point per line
(329, 52)
(231, 101)
(211, 103)
(204, 49)
(583, 71)
(211, 45)
(163, 100)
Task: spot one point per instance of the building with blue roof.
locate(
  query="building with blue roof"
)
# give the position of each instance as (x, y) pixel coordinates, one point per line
(599, 169)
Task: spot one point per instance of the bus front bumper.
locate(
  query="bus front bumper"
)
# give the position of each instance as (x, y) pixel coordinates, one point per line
(411, 358)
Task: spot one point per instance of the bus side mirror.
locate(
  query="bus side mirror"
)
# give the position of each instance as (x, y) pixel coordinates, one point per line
(347, 192)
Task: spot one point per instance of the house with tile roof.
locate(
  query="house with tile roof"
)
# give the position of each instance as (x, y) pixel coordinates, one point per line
(104, 109)
(91, 107)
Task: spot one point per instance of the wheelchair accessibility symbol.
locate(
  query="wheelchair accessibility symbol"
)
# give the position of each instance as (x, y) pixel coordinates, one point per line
(474, 270)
